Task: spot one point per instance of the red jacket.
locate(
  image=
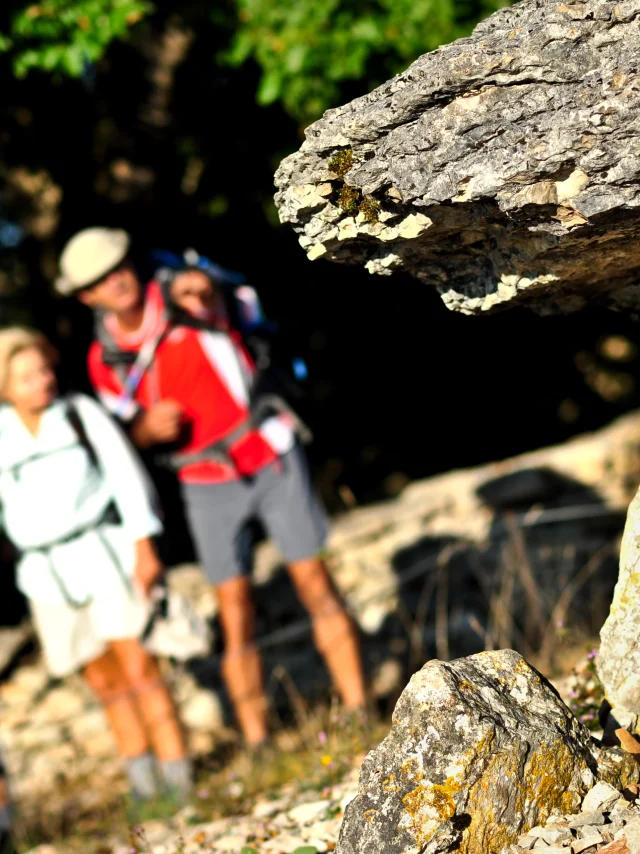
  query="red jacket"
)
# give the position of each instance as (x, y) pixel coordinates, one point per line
(206, 372)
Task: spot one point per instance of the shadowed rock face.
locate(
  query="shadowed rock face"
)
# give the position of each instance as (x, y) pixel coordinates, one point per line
(504, 169)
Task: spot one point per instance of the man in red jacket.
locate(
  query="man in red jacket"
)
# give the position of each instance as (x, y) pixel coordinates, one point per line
(192, 388)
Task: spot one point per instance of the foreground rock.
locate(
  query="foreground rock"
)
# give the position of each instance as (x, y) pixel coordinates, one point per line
(481, 750)
(502, 168)
(618, 661)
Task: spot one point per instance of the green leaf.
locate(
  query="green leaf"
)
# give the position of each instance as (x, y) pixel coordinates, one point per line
(73, 61)
(62, 35)
(270, 87)
(295, 57)
(240, 50)
(247, 850)
(306, 849)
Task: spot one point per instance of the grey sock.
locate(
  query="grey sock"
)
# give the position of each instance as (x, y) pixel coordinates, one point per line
(177, 775)
(6, 816)
(141, 771)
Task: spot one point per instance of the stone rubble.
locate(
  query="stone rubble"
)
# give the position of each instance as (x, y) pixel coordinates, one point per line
(481, 749)
(608, 822)
(279, 826)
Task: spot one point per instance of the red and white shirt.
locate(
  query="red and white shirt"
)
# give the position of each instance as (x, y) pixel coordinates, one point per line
(206, 373)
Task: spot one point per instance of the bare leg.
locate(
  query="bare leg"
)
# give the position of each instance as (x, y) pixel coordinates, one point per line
(334, 633)
(110, 685)
(151, 698)
(242, 666)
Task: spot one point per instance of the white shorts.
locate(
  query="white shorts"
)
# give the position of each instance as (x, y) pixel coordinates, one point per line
(72, 637)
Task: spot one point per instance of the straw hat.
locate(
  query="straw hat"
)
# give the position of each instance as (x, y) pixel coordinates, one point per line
(89, 256)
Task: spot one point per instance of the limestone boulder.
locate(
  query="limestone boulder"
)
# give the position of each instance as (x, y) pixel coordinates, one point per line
(501, 169)
(618, 661)
(481, 750)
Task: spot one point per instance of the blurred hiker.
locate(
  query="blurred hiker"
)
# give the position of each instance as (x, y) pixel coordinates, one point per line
(186, 384)
(75, 504)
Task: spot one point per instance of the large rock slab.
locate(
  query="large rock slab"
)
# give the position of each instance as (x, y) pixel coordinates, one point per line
(481, 750)
(503, 168)
(618, 661)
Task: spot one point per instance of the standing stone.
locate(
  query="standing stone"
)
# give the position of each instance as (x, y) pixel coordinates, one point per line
(481, 750)
(618, 662)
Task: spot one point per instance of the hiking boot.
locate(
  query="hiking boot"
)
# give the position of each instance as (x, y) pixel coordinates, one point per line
(262, 755)
(177, 779)
(261, 751)
(356, 720)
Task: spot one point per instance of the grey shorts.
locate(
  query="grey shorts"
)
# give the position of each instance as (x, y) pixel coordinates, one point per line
(281, 497)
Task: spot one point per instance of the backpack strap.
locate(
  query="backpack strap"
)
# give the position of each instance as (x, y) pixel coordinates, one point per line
(74, 419)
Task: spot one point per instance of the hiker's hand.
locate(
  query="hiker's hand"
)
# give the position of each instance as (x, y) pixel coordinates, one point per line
(157, 425)
(148, 567)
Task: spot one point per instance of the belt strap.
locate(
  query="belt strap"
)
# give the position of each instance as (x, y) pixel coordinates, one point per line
(111, 516)
(219, 451)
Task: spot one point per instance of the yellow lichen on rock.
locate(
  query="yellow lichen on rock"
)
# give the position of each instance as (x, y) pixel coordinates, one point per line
(482, 749)
(427, 807)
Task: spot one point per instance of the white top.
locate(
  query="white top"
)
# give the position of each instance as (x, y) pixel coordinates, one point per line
(49, 490)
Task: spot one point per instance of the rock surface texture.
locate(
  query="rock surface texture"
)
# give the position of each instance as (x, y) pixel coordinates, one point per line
(502, 168)
(482, 749)
(618, 660)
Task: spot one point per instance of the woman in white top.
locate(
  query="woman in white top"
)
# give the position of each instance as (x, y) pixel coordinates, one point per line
(74, 502)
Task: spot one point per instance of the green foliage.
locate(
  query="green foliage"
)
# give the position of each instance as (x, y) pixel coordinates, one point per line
(65, 35)
(307, 49)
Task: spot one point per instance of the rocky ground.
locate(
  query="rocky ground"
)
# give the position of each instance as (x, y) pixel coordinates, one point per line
(72, 793)
(282, 824)
(609, 821)
(295, 800)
